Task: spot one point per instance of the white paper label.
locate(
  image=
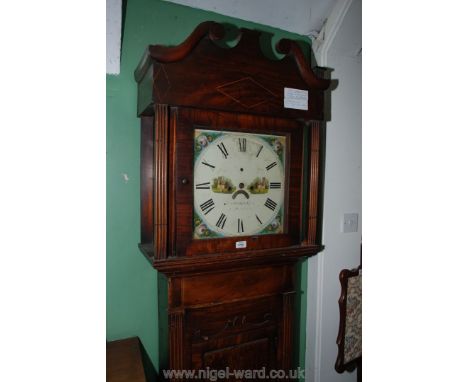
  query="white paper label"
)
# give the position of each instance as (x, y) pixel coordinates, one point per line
(241, 244)
(296, 99)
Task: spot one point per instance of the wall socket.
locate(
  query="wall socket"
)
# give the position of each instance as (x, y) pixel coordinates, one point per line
(349, 223)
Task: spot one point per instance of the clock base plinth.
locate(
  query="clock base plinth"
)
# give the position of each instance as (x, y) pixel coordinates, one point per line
(241, 317)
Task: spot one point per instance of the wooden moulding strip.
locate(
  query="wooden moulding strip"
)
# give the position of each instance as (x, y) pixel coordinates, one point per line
(160, 182)
(286, 330)
(314, 181)
(176, 340)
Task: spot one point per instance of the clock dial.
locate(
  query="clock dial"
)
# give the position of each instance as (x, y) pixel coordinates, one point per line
(239, 181)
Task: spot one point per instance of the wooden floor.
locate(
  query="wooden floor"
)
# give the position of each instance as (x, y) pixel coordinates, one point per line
(124, 361)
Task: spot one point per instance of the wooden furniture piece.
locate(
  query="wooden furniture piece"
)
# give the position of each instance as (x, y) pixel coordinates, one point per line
(229, 194)
(124, 361)
(349, 338)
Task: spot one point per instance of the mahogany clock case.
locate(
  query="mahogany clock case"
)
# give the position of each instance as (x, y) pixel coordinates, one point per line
(220, 305)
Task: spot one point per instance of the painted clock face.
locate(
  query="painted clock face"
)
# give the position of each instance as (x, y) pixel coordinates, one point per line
(239, 184)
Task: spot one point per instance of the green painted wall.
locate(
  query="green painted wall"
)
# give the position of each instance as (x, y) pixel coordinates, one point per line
(131, 282)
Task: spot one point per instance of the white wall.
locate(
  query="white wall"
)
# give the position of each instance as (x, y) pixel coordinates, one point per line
(297, 16)
(113, 31)
(342, 194)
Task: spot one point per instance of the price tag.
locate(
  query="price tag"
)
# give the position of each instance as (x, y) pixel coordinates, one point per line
(296, 99)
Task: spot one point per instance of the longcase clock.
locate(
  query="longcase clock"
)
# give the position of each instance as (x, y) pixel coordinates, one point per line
(229, 195)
